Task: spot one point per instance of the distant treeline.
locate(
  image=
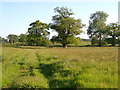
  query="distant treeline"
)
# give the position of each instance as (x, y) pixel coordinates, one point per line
(68, 28)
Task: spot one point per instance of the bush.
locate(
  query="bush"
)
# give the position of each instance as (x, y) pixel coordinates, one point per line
(8, 44)
(13, 44)
(46, 43)
(104, 43)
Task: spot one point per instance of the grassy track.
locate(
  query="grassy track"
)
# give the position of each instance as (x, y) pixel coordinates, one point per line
(80, 67)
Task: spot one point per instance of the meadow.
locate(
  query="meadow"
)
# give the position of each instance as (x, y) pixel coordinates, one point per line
(73, 67)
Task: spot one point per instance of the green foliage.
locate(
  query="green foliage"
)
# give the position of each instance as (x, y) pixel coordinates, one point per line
(54, 39)
(65, 25)
(118, 40)
(97, 26)
(12, 38)
(104, 43)
(46, 43)
(74, 40)
(37, 33)
(3, 40)
(113, 32)
(10, 44)
(70, 40)
(22, 38)
(94, 41)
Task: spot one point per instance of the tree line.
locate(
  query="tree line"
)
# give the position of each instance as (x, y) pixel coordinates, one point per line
(68, 29)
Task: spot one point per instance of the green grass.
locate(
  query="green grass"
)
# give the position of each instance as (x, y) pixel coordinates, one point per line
(74, 67)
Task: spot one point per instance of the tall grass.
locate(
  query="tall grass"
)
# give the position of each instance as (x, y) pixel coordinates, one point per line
(80, 67)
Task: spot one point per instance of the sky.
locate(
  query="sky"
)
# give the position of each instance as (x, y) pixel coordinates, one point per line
(16, 15)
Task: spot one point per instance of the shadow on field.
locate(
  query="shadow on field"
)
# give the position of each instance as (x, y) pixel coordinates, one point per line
(57, 75)
(30, 47)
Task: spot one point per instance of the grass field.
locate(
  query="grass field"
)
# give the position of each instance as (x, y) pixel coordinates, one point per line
(74, 67)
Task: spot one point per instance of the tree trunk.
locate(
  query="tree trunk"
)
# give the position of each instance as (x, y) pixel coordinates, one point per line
(113, 40)
(92, 42)
(64, 45)
(100, 44)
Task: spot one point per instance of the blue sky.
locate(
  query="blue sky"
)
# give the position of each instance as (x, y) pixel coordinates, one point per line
(16, 16)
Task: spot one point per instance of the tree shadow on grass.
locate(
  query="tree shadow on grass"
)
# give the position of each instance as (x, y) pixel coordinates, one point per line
(49, 71)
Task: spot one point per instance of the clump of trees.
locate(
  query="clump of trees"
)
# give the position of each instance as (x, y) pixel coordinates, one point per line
(100, 33)
(68, 28)
(113, 31)
(3, 40)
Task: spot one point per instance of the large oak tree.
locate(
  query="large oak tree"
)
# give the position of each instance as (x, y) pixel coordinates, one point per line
(66, 26)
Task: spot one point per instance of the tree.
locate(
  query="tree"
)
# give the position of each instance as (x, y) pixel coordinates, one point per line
(112, 31)
(65, 25)
(54, 39)
(97, 27)
(22, 38)
(118, 35)
(37, 33)
(3, 40)
(12, 38)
